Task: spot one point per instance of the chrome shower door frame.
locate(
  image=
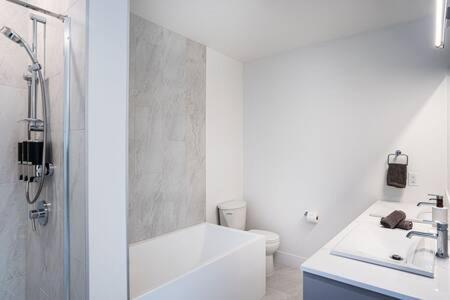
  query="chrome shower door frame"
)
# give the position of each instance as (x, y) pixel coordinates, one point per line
(66, 153)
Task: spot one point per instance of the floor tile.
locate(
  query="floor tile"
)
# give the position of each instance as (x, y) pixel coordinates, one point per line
(272, 294)
(284, 284)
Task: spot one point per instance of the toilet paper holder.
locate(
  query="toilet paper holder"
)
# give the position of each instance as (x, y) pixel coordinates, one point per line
(311, 216)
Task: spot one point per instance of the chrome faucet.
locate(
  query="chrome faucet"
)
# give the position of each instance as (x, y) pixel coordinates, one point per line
(425, 203)
(441, 236)
(437, 201)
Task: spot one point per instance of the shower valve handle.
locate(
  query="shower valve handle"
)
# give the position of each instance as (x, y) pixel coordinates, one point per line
(40, 214)
(49, 169)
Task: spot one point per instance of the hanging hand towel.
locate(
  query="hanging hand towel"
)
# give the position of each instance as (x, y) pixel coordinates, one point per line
(397, 175)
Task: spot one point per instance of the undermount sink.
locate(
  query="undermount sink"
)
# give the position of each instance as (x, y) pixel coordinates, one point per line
(424, 215)
(371, 243)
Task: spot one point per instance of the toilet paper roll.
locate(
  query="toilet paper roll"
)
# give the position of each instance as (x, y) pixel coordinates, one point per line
(312, 217)
(440, 214)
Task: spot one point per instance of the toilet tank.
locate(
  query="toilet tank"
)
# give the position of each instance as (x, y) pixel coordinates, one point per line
(233, 214)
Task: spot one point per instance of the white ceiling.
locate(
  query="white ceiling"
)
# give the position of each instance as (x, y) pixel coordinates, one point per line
(251, 29)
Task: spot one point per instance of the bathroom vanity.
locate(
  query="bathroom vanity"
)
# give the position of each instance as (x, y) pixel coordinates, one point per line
(362, 275)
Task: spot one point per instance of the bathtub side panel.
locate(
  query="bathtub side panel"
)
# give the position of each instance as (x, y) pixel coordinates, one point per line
(157, 261)
(239, 276)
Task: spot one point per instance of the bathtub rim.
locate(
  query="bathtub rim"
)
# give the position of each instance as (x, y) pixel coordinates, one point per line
(203, 224)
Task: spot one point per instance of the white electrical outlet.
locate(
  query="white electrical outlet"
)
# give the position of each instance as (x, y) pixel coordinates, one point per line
(412, 179)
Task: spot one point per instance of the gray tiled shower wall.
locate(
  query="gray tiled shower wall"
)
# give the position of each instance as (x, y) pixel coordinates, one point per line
(166, 131)
(13, 208)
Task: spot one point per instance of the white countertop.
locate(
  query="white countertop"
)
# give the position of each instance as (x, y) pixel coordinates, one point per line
(376, 278)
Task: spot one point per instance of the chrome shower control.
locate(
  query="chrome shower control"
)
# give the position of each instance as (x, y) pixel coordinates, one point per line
(40, 214)
(49, 170)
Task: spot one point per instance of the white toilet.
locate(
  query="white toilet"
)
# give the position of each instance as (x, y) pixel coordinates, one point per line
(233, 214)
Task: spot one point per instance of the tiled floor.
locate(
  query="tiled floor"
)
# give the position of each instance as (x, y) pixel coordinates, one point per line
(285, 284)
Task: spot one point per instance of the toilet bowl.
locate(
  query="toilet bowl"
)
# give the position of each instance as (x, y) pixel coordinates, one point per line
(272, 245)
(233, 214)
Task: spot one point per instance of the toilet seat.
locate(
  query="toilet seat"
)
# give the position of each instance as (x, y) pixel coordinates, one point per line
(271, 237)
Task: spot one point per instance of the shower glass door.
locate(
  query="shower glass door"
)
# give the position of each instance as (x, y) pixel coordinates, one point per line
(42, 154)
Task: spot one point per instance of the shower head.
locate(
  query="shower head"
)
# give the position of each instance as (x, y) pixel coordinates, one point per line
(10, 34)
(13, 36)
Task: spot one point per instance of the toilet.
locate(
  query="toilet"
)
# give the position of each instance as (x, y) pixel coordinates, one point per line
(272, 245)
(233, 214)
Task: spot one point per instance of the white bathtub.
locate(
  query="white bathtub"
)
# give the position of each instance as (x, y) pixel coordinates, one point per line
(204, 261)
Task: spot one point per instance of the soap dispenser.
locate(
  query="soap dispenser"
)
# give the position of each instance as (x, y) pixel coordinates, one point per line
(439, 213)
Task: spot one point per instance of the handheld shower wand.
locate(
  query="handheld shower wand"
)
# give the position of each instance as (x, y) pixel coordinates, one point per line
(13, 36)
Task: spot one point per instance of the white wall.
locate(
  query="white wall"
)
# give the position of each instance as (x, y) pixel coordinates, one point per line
(107, 127)
(448, 139)
(320, 121)
(224, 131)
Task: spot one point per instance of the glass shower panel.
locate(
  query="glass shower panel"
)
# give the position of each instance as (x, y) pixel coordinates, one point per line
(43, 237)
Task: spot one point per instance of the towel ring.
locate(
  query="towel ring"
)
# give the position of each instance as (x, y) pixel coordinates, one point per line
(396, 155)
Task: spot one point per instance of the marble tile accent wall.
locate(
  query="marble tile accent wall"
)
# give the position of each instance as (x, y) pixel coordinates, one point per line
(13, 209)
(166, 131)
(12, 241)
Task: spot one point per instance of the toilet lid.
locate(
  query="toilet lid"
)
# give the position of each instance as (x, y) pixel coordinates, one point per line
(271, 237)
(234, 204)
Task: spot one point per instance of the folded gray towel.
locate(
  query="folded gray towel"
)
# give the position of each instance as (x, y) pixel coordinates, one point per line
(405, 225)
(393, 219)
(397, 175)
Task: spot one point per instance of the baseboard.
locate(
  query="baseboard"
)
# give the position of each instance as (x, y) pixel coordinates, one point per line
(288, 259)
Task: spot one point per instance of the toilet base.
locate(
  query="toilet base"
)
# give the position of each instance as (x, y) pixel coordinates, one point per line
(269, 265)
